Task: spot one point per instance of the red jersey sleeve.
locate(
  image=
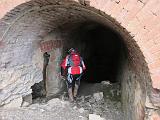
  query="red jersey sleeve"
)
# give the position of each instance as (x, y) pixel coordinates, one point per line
(64, 62)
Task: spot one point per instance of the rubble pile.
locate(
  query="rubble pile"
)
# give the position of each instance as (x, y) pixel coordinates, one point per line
(102, 100)
(95, 104)
(103, 104)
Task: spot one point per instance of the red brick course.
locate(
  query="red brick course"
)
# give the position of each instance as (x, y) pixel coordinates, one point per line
(47, 46)
(7, 5)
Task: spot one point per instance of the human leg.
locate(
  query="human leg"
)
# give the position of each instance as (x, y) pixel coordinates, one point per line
(77, 84)
(75, 90)
(69, 87)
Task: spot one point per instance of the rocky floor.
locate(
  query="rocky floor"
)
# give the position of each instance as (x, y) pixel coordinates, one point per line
(99, 101)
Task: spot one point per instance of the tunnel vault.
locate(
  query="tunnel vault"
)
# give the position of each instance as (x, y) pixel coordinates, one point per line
(35, 27)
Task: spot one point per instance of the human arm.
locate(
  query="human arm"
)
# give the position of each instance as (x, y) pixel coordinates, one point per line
(64, 66)
(83, 65)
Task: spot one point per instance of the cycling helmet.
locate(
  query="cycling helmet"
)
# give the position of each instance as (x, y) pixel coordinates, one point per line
(71, 50)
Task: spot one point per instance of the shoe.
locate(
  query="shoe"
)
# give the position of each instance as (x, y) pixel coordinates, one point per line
(75, 99)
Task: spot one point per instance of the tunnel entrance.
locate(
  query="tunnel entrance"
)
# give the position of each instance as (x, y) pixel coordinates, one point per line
(103, 52)
(109, 52)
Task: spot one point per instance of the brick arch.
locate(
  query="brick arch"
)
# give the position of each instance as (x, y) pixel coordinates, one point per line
(139, 18)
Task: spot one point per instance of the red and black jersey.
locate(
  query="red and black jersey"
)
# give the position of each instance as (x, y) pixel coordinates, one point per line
(74, 63)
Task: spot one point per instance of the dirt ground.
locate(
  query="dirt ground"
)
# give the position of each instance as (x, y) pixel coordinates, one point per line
(99, 99)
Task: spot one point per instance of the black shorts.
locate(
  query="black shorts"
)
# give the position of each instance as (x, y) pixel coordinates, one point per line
(73, 79)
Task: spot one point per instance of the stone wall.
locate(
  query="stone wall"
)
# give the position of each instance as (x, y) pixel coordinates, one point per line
(133, 94)
(135, 81)
(20, 69)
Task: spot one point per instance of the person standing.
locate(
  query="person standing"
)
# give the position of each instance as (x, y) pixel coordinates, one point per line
(72, 68)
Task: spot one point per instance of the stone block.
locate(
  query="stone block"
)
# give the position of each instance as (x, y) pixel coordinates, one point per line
(81, 110)
(27, 100)
(105, 83)
(95, 117)
(148, 104)
(154, 65)
(155, 97)
(15, 103)
(98, 96)
(156, 81)
(87, 2)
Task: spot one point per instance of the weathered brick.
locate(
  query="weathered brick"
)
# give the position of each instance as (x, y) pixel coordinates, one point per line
(155, 70)
(154, 33)
(108, 6)
(8, 5)
(131, 13)
(118, 8)
(147, 55)
(154, 49)
(121, 16)
(144, 16)
(156, 40)
(155, 64)
(156, 55)
(134, 26)
(93, 3)
(98, 3)
(3, 27)
(156, 81)
(139, 35)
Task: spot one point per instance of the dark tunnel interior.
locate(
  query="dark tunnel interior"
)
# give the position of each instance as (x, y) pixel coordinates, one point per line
(102, 50)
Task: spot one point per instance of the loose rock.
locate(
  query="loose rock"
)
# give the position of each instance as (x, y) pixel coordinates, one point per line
(95, 117)
(98, 96)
